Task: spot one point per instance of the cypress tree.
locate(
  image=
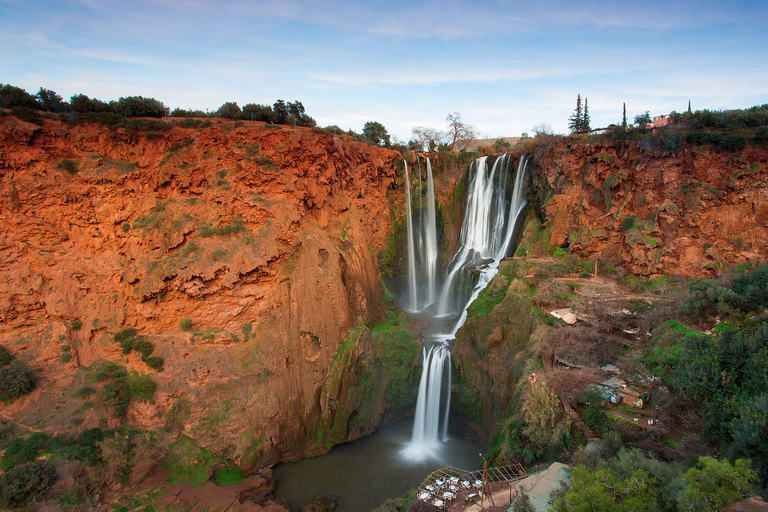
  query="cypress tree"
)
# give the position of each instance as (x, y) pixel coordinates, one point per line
(624, 116)
(574, 122)
(585, 118)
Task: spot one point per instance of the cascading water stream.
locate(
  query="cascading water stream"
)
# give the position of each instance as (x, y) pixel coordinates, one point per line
(411, 250)
(431, 240)
(487, 230)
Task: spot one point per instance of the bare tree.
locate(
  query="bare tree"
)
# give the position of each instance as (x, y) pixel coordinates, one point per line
(428, 139)
(458, 131)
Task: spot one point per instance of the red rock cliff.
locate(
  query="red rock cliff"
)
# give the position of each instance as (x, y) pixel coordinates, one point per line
(262, 237)
(688, 213)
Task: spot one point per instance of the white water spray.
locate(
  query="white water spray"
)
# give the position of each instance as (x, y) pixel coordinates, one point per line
(411, 250)
(431, 243)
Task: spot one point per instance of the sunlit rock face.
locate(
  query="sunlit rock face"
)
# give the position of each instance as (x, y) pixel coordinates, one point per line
(261, 241)
(690, 213)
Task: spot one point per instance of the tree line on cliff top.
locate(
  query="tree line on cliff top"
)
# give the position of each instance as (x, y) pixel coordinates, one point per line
(26, 106)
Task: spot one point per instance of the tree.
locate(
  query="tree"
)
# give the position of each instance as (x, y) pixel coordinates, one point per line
(602, 491)
(82, 104)
(49, 100)
(298, 116)
(585, 118)
(426, 139)
(542, 129)
(574, 122)
(229, 110)
(624, 116)
(16, 379)
(458, 131)
(280, 112)
(714, 484)
(11, 96)
(643, 120)
(375, 133)
(22, 484)
(750, 430)
(255, 112)
(501, 145)
(138, 106)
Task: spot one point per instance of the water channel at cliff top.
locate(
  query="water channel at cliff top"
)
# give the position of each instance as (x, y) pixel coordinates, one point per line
(367, 472)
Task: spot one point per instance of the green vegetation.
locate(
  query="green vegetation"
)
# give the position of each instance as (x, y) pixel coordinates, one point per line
(106, 457)
(185, 324)
(22, 484)
(129, 342)
(235, 226)
(16, 378)
(226, 476)
(119, 387)
(189, 463)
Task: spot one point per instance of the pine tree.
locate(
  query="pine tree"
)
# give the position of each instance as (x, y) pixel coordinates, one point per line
(574, 123)
(624, 117)
(689, 106)
(585, 118)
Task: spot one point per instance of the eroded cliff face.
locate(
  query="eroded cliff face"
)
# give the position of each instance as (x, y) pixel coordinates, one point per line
(692, 212)
(259, 240)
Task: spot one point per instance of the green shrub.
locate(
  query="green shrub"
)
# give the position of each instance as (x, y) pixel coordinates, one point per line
(68, 165)
(185, 324)
(16, 379)
(246, 329)
(143, 347)
(595, 419)
(142, 387)
(234, 227)
(752, 287)
(117, 394)
(111, 119)
(26, 114)
(5, 356)
(65, 357)
(125, 227)
(23, 484)
(627, 223)
(126, 333)
(83, 391)
(177, 145)
(154, 362)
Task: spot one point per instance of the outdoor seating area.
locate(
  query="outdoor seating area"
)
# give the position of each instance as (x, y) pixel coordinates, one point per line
(446, 485)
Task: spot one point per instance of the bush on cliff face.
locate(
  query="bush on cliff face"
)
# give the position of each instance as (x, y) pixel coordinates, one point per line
(16, 379)
(22, 484)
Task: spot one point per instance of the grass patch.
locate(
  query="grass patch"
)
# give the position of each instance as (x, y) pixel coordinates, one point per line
(224, 477)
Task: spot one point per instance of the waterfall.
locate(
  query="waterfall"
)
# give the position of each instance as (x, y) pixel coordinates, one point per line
(487, 230)
(430, 251)
(411, 250)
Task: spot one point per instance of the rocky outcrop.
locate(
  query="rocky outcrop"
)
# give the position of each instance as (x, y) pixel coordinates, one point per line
(691, 212)
(259, 241)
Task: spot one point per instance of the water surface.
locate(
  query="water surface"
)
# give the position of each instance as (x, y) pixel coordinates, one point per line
(365, 473)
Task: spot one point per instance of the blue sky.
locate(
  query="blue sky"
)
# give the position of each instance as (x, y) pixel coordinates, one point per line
(504, 65)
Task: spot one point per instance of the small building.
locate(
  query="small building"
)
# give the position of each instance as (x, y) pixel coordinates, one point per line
(634, 397)
(662, 120)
